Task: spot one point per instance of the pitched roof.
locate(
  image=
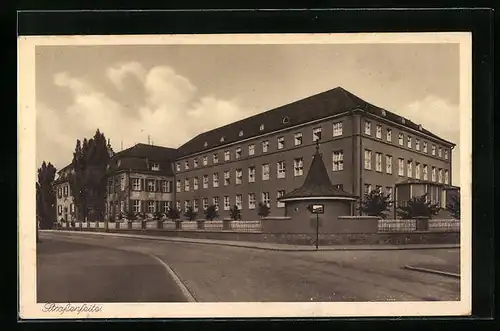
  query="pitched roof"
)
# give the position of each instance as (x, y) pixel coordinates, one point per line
(422, 181)
(328, 103)
(317, 183)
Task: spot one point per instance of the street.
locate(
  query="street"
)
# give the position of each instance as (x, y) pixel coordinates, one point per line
(75, 267)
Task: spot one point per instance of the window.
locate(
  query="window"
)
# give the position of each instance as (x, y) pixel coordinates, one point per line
(368, 159)
(195, 205)
(367, 188)
(239, 176)
(251, 149)
(59, 209)
(136, 206)
(151, 185)
(151, 207)
(337, 129)
(281, 169)
(446, 154)
(227, 178)
(204, 202)
(122, 186)
(266, 199)
(338, 161)
(400, 139)
(59, 192)
(417, 144)
(265, 146)
(298, 167)
(178, 205)
(72, 208)
(186, 184)
(166, 206)
(205, 160)
(297, 138)
(378, 133)
(215, 158)
(186, 165)
(389, 135)
(378, 189)
(239, 201)
(227, 203)
(281, 142)
(251, 174)
(417, 170)
(408, 142)
(164, 187)
(388, 192)
(195, 183)
(433, 149)
(186, 206)
(316, 134)
(433, 178)
(279, 194)
(425, 172)
(178, 186)
(409, 168)
(205, 181)
(215, 180)
(215, 201)
(378, 162)
(261, 128)
(227, 155)
(388, 164)
(440, 175)
(251, 200)
(238, 153)
(446, 177)
(424, 146)
(440, 152)
(265, 171)
(401, 167)
(195, 163)
(177, 166)
(368, 128)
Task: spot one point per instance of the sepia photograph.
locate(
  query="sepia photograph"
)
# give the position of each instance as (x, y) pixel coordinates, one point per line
(294, 175)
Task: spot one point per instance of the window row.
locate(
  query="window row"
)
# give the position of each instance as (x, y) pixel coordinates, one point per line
(419, 145)
(142, 184)
(388, 190)
(60, 209)
(63, 191)
(280, 144)
(228, 203)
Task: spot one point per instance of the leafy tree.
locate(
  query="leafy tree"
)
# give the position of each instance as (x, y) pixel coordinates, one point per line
(190, 214)
(88, 179)
(375, 203)
(418, 207)
(158, 216)
(46, 196)
(235, 213)
(454, 206)
(131, 216)
(173, 214)
(263, 209)
(211, 213)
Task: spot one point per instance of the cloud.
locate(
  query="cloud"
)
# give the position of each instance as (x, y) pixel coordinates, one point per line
(171, 112)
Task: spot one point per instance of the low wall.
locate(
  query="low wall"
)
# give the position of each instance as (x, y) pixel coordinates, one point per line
(307, 238)
(342, 224)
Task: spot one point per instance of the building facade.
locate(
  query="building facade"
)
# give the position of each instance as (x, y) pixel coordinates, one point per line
(261, 158)
(65, 207)
(140, 181)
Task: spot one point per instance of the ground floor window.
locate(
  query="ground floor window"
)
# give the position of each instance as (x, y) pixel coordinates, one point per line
(136, 206)
(151, 207)
(166, 206)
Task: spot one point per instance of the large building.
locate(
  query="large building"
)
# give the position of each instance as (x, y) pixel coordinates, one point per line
(260, 158)
(65, 207)
(140, 180)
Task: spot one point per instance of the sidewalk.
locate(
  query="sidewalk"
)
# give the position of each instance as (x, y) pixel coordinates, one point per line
(266, 246)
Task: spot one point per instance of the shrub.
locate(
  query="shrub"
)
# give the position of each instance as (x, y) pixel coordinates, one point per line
(418, 207)
(190, 214)
(173, 214)
(211, 213)
(263, 209)
(375, 203)
(235, 213)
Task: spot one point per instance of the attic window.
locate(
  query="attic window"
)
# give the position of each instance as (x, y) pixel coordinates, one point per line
(262, 127)
(420, 127)
(206, 144)
(383, 112)
(286, 120)
(240, 134)
(403, 120)
(221, 139)
(118, 163)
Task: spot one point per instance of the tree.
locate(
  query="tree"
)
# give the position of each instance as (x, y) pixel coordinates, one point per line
(173, 213)
(88, 179)
(263, 209)
(235, 213)
(190, 214)
(46, 196)
(375, 203)
(454, 206)
(158, 216)
(211, 213)
(418, 207)
(131, 216)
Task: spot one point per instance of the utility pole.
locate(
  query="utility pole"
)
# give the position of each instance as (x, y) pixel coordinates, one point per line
(317, 231)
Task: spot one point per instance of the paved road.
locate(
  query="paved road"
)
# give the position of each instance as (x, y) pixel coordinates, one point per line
(215, 273)
(78, 272)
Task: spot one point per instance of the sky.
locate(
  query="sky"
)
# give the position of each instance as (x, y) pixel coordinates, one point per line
(174, 92)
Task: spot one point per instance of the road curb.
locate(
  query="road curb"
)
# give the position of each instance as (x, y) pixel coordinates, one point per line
(432, 271)
(184, 289)
(284, 249)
